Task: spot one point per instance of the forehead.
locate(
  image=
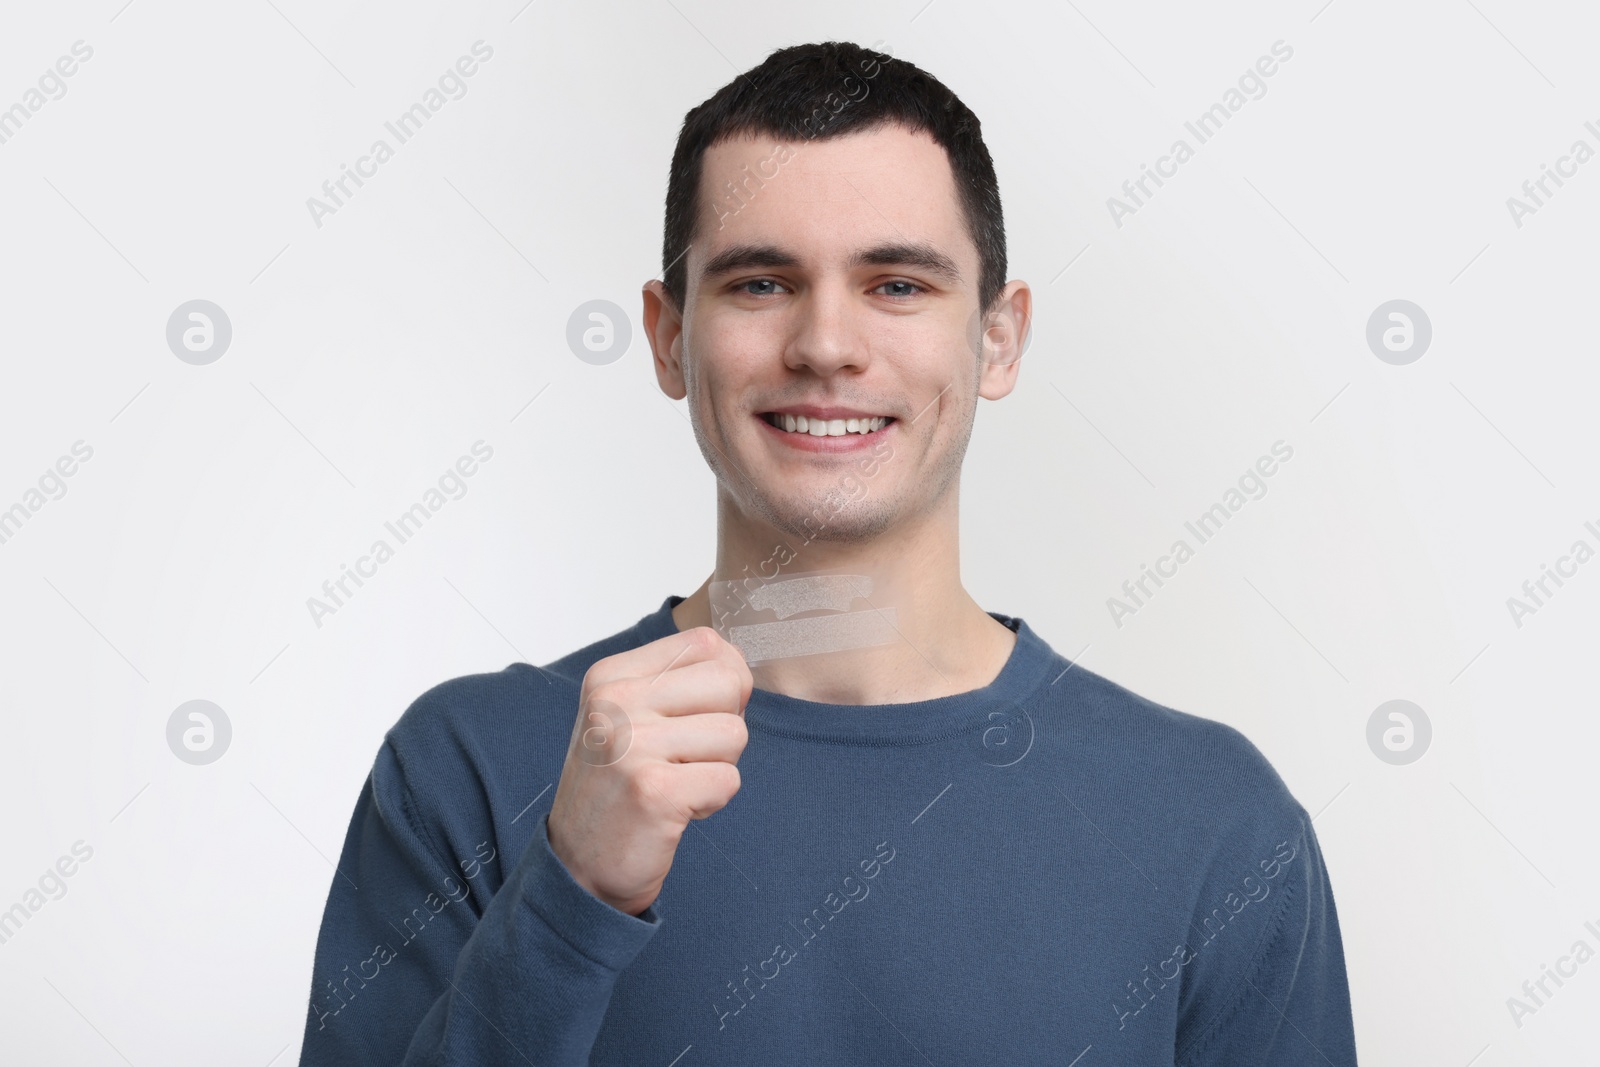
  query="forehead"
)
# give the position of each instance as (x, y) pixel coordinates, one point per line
(822, 199)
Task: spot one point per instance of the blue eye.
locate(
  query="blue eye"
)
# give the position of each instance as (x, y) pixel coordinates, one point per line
(907, 289)
(908, 285)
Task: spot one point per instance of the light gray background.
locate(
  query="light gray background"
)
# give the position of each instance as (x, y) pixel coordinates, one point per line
(431, 311)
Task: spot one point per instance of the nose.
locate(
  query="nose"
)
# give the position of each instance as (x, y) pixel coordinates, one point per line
(828, 334)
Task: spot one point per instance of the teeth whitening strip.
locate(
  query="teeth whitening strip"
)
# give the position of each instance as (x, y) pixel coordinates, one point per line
(787, 638)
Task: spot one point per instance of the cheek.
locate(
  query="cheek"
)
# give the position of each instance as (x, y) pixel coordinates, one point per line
(734, 344)
(720, 367)
(932, 348)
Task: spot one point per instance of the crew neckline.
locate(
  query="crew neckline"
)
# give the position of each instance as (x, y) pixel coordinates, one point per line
(909, 723)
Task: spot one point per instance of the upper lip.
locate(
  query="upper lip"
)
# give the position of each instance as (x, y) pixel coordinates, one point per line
(811, 411)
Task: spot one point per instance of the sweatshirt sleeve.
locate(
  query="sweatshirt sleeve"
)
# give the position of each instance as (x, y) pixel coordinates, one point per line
(1287, 999)
(421, 960)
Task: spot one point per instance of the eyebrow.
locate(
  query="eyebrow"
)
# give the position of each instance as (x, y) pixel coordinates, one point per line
(916, 254)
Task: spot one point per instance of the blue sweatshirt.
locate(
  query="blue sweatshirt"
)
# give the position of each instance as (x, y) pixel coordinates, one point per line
(1049, 869)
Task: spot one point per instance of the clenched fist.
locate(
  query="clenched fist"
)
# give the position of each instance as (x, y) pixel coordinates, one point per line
(659, 733)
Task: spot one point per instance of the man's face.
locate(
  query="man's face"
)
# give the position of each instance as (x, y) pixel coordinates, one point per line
(841, 276)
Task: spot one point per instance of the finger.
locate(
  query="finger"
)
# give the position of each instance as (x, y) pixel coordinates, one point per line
(716, 649)
(697, 790)
(700, 739)
(652, 659)
(713, 685)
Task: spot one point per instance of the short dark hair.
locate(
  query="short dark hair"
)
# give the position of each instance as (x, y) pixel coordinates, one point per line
(804, 92)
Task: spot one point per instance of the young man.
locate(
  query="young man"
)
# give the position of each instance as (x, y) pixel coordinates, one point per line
(908, 833)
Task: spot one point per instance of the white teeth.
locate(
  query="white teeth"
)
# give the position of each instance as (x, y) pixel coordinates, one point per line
(828, 427)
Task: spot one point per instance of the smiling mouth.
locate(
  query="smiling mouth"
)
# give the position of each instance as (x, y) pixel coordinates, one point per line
(826, 427)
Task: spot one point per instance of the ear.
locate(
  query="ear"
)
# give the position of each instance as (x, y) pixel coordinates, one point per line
(664, 326)
(1004, 337)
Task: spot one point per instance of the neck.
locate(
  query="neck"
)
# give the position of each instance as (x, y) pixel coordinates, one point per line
(941, 642)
